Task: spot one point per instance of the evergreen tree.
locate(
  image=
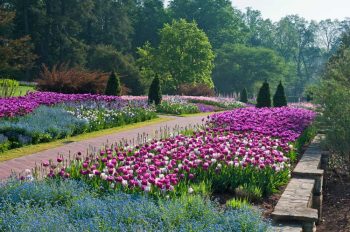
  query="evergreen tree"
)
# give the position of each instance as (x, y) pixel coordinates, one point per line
(244, 96)
(279, 99)
(155, 93)
(264, 96)
(113, 87)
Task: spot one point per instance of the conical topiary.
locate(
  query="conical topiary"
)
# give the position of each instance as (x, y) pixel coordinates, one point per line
(113, 87)
(264, 96)
(155, 93)
(279, 99)
(244, 96)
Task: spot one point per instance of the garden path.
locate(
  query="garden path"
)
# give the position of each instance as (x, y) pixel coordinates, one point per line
(18, 165)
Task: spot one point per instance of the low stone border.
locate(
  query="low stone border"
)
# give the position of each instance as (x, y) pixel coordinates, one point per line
(300, 206)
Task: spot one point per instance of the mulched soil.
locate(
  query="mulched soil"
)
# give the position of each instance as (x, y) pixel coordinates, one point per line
(336, 203)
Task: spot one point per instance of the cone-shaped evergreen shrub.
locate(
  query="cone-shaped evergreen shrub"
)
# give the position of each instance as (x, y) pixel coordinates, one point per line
(264, 96)
(155, 93)
(279, 99)
(113, 87)
(244, 96)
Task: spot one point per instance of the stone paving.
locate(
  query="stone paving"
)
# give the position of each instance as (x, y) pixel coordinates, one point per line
(18, 165)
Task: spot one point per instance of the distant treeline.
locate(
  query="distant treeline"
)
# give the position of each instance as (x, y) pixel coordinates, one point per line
(129, 37)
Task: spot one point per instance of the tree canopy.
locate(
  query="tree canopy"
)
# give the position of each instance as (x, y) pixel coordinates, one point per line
(184, 56)
(130, 36)
(239, 66)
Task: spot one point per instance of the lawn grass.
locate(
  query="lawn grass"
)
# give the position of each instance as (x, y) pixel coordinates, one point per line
(27, 150)
(200, 114)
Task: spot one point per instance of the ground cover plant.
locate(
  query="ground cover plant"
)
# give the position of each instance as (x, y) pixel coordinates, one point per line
(70, 205)
(229, 153)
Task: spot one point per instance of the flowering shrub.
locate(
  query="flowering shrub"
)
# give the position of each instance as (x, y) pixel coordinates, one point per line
(284, 122)
(72, 206)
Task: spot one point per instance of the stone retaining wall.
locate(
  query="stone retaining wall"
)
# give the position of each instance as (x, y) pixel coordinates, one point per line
(300, 206)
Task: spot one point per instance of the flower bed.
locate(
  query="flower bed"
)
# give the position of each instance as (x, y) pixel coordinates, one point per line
(45, 116)
(74, 206)
(225, 155)
(17, 106)
(284, 122)
(46, 123)
(192, 104)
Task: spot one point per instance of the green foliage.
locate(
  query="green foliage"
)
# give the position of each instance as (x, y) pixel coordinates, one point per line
(264, 96)
(185, 52)
(201, 188)
(224, 104)
(237, 203)
(147, 63)
(184, 56)
(16, 54)
(150, 17)
(244, 96)
(106, 58)
(279, 99)
(305, 138)
(155, 92)
(4, 143)
(250, 192)
(104, 35)
(334, 97)
(8, 87)
(113, 87)
(238, 66)
(195, 90)
(218, 19)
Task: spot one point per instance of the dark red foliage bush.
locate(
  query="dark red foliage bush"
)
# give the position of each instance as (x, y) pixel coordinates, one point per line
(63, 79)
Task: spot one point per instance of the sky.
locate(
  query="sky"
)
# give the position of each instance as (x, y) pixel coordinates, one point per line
(308, 9)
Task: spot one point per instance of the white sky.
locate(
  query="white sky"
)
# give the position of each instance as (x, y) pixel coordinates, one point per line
(309, 9)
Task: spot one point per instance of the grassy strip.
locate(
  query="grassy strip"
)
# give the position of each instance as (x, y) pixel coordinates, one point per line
(200, 114)
(27, 150)
(191, 115)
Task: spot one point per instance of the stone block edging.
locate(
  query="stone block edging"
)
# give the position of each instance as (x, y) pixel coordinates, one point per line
(301, 202)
